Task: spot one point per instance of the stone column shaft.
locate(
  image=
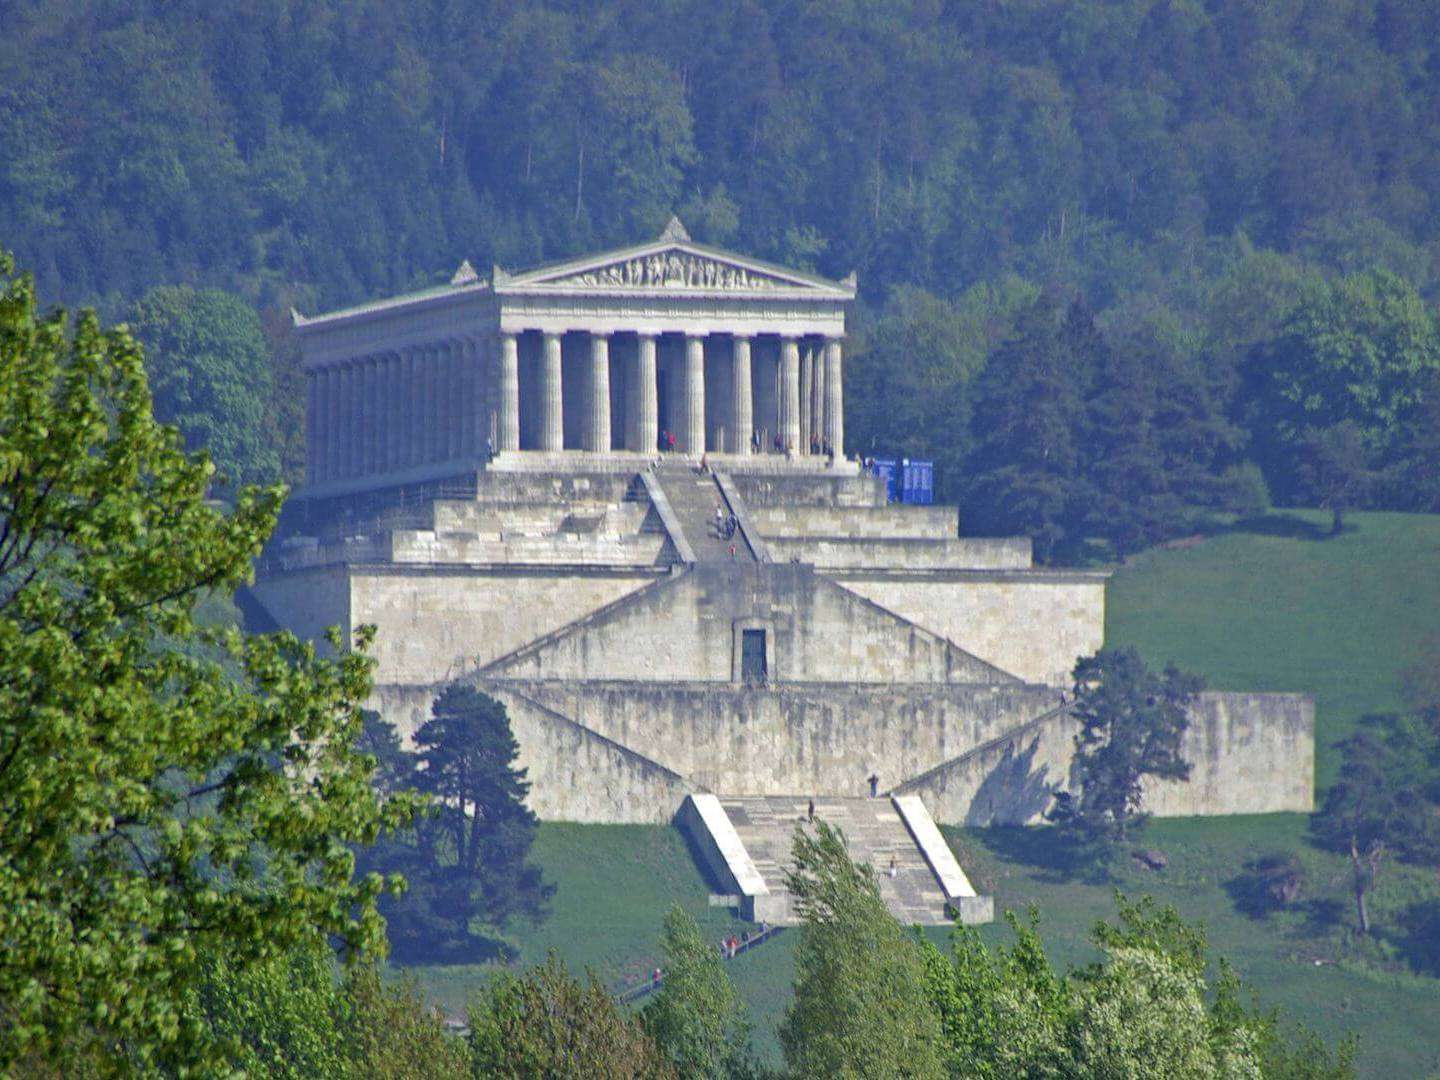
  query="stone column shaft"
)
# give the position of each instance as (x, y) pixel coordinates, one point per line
(647, 396)
(818, 422)
(509, 393)
(790, 394)
(742, 405)
(694, 434)
(312, 426)
(373, 406)
(807, 386)
(552, 409)
(597, 426)
(834, 399)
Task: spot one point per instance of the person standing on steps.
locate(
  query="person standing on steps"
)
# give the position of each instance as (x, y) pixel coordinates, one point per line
(874, 781)
(810, 814)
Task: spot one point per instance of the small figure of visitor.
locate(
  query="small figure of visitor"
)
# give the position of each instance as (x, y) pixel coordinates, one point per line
(755, 442)
(893, 868)
(814, 443)
(704, 464)
(874, 782)
(810, 813)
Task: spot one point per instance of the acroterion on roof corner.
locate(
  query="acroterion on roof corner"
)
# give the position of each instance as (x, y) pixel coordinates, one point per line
(465, 275)
(675, 231)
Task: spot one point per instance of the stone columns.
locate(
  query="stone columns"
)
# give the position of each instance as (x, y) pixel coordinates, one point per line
(426, 379)
(597, 425)
(369, 406)
(834, 403)
(789, 394)
(347, 420)
(693, 436)
(552, 414)
(447, 407)
(395, 411)
(509, 393)
(647, 399)
(807, 387)
(817, 400)
(414, 398)
(742, 405)
(312, 426)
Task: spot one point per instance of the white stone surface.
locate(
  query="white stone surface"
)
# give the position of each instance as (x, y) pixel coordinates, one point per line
(911, 809)
(727, 841)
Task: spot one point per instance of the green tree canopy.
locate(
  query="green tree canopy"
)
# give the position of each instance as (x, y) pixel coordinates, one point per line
(547, 1023)
(164, 789)
(1132, 722)
(210, 374)
(860, 993)
(695, 1018)
(1359, 350)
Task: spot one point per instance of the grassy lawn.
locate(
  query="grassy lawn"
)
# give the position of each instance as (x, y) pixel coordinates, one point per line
(1268, 607)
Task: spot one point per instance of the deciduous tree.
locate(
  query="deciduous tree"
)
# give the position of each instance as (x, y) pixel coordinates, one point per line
(860, 1004)
(164, 789)
(1132, 721)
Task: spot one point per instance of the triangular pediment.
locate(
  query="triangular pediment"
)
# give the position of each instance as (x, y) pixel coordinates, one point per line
(672, 263)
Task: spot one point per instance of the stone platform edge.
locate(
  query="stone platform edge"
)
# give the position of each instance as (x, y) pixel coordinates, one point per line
(704, 818)
(959, 893)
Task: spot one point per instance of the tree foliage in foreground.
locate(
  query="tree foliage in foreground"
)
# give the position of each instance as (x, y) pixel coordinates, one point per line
(695, 1018)
(859, 1008)
(1132, 723)
(547, 1023)
(164, 789)
(872, 1001)
(467, 861)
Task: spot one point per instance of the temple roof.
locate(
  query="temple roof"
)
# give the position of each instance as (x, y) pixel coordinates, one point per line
(671, 264)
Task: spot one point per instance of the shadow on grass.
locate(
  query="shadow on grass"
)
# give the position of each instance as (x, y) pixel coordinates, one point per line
(1276, 524)
(408, 951)
(1418, 936)
(1060, 858)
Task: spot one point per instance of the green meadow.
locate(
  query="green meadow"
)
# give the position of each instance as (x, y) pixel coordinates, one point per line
(1264, 605)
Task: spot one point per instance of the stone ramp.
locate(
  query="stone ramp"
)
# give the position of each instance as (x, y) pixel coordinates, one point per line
(876, 834)
(693, 497)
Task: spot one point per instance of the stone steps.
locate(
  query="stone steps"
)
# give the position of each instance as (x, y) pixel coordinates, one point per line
(693, 498)
(874, 833)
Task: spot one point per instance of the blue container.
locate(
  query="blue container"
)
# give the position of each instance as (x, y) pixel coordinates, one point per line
(885, 468)
(917, 482)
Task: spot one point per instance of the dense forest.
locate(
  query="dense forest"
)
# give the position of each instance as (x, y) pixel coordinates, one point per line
(1113, 254)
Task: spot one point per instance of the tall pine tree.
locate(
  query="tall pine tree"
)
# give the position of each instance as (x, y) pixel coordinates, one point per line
(1025, 466)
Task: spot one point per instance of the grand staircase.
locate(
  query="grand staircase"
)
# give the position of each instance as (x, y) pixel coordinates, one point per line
(747, 839)
(693, 497)
(873, 832)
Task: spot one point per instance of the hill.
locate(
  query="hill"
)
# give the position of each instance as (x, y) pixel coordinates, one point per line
(1263, 604)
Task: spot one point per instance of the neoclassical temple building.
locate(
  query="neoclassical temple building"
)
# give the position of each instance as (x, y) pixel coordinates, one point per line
(613, 354)
(492, 486)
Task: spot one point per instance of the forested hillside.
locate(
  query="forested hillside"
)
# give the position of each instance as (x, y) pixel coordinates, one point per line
(1141, 194)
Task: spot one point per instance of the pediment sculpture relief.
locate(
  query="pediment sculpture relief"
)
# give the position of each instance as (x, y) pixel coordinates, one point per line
(674, 269)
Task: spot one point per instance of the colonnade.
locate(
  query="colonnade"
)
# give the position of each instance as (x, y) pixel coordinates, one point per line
(808, 399)
(396, 409)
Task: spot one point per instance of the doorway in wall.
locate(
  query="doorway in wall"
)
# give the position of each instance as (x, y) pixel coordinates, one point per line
(753, 671)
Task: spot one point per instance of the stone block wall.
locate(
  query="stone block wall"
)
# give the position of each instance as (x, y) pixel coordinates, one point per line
(855, 522)
(1033, 624)
(1250, 754)
(434, 625)
(908, 554)
(687, 630)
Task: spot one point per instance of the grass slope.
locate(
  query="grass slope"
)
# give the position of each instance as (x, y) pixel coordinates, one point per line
(1266, 607)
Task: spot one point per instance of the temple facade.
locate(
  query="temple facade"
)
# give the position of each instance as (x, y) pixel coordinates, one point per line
(669, 345)
(613, 494)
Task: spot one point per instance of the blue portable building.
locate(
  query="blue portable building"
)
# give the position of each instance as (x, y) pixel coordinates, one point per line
(917, 482)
